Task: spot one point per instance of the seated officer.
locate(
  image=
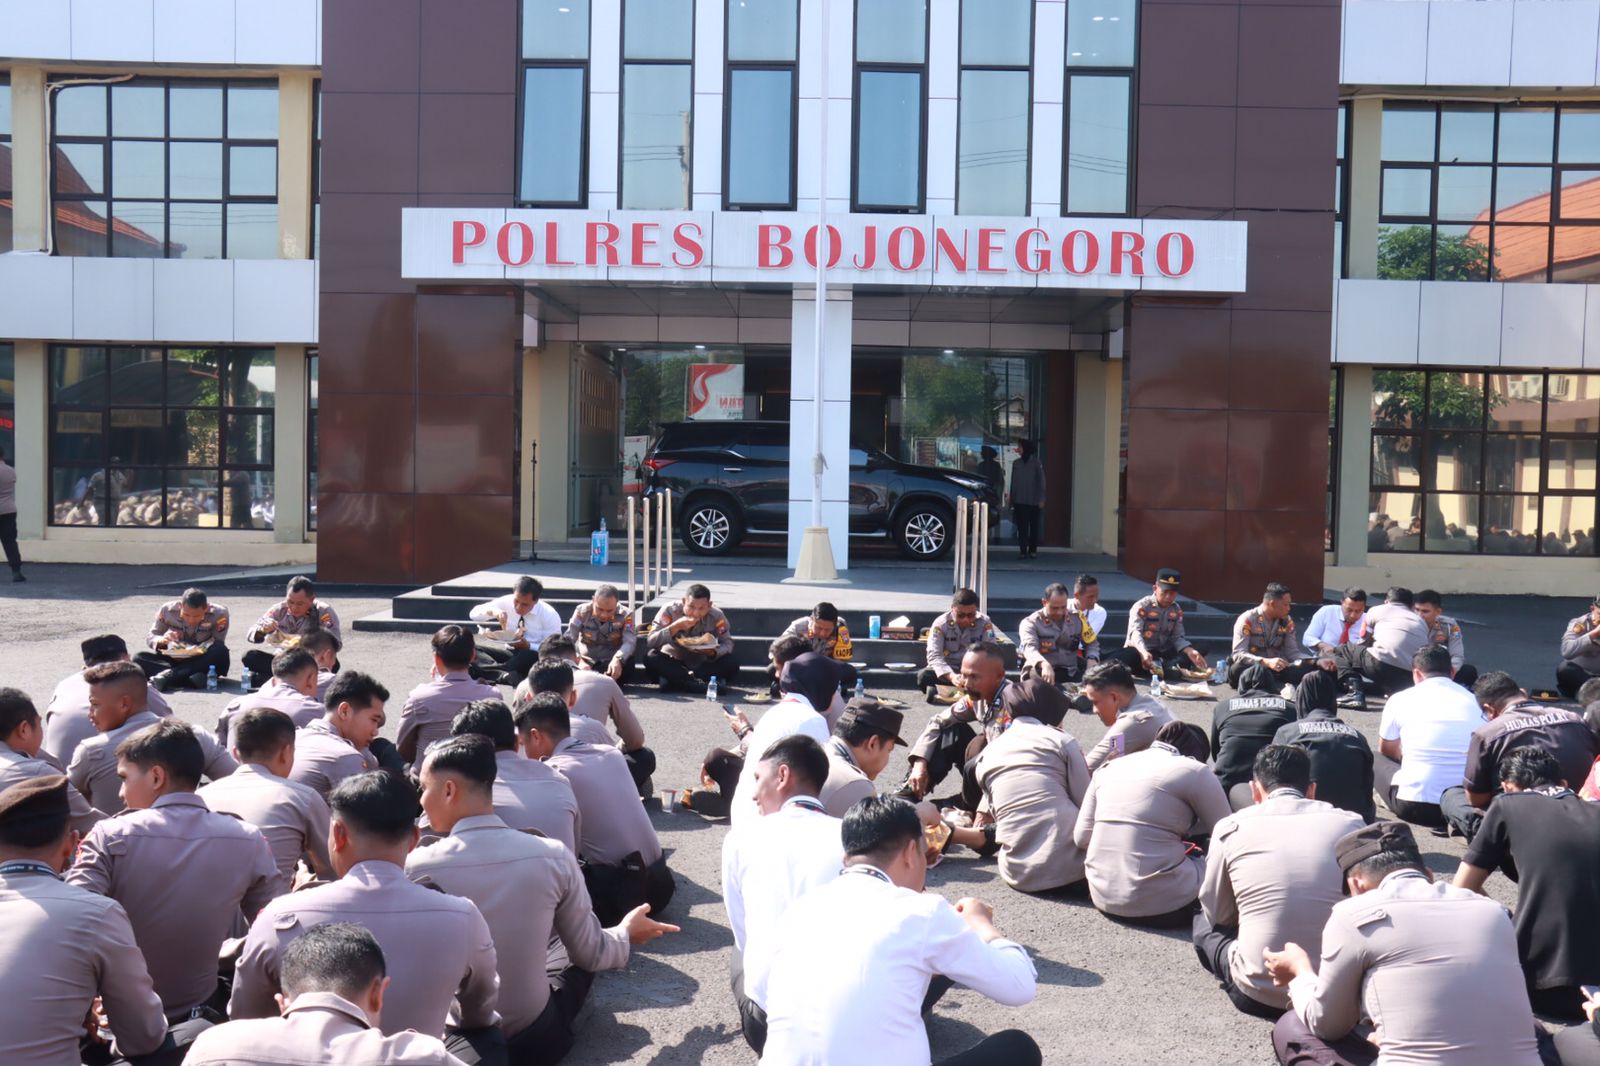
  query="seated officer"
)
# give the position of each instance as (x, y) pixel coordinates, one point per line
(825, 633)
(292, 690)
(1051, 638)
(557, 676)
(432, 705)
(950, 637)
(1265, 636)
(1442, 629)
(1132, 718)
(528, 618)
(1337, 624)
(180, 871)
(949, 741)
(1394, 634)
(1580, 651)
(597, 697)
(334, 978)
(862, 744)
(1440, 961)
(528, 794)
(188, 622)
(66, 716)
(1341, 758)
(324, 647)
(299, 613)
(339, 744)
(623, 862)
(1242, 726)
(603, 635)
(20, 737)
(66, 947)
(528, 889)
(1270, 878)
(1155, 631)
(441, 958)
(690, 643)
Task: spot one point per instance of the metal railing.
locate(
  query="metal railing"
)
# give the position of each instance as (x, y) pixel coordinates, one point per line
(972, 550)
(649, 547)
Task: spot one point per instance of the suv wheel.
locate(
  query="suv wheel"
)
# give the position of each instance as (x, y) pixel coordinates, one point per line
(711, 528)
(925, 531)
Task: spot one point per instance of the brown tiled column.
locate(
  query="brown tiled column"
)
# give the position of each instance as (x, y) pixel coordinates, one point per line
(417, 391)
(1227, 405)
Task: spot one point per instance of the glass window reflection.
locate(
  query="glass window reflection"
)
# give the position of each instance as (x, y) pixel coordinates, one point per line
(656, 107)
(1101, 33)
(762, 30)
(891, 31)
(760, 126)
(1097, 144)
(555, 29)
(889, 139)
(553, 112)
(996, 33)
(992, 140)
(658, 29)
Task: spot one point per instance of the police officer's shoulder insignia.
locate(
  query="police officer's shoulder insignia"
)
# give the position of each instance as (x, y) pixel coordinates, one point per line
(1371, 917)
(285, 920)
(427, 882)
(627, 621)
(1229, 827)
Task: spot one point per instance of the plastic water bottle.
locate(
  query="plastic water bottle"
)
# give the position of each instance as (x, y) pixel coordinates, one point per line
(211, 679)
(874, 627)
(1222, 670)
(711, 688)
(861, 688)
(245, 680)
(1155, 685)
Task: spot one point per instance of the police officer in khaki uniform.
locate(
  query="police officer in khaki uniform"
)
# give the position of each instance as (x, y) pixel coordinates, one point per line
(862, 744)
(21, 734)
(825, 633)
(432, 705)
(67, 946)
(284, 623)
(167, 830)
(604, 635)
(338, 745)
(949, 739)
(441, 959)
(1444, 630)
(1580, 651)
(181, 625)
(1051, 638)
(1265, 636)
(690, 643)
(334, 979)
(1433, 969)
(1132, 718)
(292, 690)
(66, 716)
(528, 795)
(951, 636)
(1155, 631)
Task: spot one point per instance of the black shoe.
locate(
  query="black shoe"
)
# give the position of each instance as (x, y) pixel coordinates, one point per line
(163, 681)
(197, 681)
(932, 693)
(16, 575)
(1351, 701)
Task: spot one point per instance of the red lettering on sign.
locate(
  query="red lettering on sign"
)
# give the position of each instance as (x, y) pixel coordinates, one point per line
(772, 247)
(1185, 250)
(870, 239)
(1127, 253)
(835, 247)
(552, 247)
(1070, 262)
(460, 240)
(942, 242)
(696, 252)
(503, 244)
(919, 248)
(1031, 257)
(598, 235)
(988, 248)
(642, 243)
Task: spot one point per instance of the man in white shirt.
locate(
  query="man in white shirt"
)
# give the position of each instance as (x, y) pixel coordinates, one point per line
(1337, 624)
(525, 619)
(1394, 632)
(768, 864)
(807, 682)
(1424, 736)
(850, 971)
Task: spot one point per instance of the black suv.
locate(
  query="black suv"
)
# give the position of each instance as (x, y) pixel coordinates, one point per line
(732, 478)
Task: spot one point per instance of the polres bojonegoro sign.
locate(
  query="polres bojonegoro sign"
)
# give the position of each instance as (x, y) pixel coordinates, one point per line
(712, 247)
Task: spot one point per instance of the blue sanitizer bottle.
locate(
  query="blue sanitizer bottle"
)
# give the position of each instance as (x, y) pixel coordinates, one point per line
(600, 546)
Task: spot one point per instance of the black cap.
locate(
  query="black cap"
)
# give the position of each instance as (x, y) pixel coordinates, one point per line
(876, 717)
(37, 797)
(1357, 847)
(1168, 578)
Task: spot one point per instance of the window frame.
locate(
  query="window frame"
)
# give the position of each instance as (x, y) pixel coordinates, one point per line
(962, 67)
(7, 139)
(225, 414)
(523, 66)
(623, 63)
(225, 141)
(1341, 206)
(1131, 74)
(857, 68)
(729, 67)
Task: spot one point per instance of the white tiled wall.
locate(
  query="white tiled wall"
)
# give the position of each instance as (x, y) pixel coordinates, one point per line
(211, 301)
(1481, 43)
(1467, 323)
(224, 32)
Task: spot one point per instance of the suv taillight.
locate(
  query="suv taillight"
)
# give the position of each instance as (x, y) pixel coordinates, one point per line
(657, 465)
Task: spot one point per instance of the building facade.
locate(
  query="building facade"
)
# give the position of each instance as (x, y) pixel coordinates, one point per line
(1282, 291)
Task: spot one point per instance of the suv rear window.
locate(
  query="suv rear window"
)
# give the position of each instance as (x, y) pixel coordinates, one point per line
(678, 436)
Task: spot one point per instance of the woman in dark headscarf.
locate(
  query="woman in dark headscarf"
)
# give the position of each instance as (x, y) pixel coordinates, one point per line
(1318, 691)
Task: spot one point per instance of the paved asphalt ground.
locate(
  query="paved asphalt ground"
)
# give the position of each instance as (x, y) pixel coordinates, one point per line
(1108, 994)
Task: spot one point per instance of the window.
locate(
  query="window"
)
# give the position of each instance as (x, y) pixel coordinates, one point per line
(1341, 189)
(553, 149)
(8, 402)
(1484, 461)
(1330, 527)
(311, 439)
(891, 109)
(166, 169)
(1101, 37)
(994, 121)
(761, 134)
(153, 437)
(1475, 192)
(316, 170)
(657, 105)
(5, 166)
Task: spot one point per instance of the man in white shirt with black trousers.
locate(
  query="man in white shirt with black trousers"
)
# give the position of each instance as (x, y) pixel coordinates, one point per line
(769, 863)
(851, 968)
(525, 619)
(1424, 735)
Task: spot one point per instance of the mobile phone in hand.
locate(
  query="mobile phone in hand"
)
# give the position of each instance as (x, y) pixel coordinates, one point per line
(730, 710)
